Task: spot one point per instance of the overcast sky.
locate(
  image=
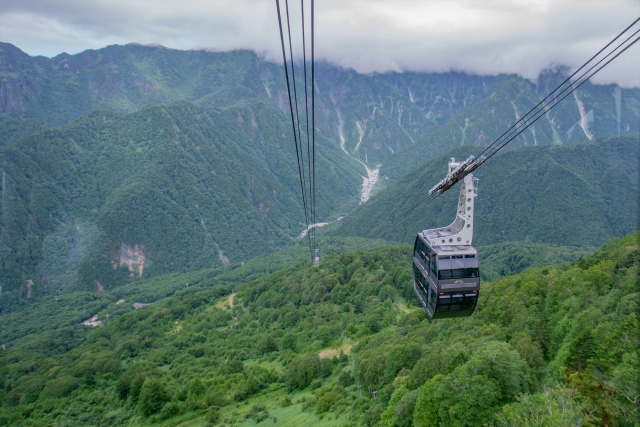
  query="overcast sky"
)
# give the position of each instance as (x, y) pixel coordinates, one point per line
(474, 36)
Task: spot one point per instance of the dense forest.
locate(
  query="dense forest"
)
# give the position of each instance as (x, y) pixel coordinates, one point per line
(165, 189)
(124, 207)
(344, 344)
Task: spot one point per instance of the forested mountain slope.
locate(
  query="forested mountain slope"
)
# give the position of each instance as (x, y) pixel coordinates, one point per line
(550, 346)
(572, 195)
(166, 189)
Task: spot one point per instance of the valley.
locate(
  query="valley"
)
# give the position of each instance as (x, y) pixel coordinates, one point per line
(155, 266)
(195, 166)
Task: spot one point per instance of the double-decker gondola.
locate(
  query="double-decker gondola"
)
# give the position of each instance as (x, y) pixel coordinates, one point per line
(446, 276)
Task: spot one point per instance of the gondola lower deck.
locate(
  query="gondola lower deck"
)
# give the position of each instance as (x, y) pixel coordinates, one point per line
(446, 283)
(446, 275)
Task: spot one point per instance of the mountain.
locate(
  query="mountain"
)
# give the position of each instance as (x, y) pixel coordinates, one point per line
(134, 161)
(594, 113)
(570, 195)
(165, 189)
(498, 261)
(343, 343)
(370, 116)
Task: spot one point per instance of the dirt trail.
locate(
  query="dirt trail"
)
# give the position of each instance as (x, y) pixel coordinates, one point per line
(403, 307)
(333, 352)
(222, 305)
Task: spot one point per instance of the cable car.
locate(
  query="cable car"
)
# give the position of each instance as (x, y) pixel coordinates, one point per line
(446, 275)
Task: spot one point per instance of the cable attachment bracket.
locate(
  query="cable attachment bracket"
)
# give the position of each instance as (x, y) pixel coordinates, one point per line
(457, 172)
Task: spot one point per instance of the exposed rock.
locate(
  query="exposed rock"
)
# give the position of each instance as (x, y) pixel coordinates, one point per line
(93, 321)
(137, 305)
(134, 258)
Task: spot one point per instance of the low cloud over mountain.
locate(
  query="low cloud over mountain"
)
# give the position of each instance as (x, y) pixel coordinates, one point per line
(480, 37)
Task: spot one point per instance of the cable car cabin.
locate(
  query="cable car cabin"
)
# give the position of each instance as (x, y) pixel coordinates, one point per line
(446, 276)
(446, 282)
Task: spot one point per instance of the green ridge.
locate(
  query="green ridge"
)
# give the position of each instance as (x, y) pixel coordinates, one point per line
(558, 342)
(571, 195)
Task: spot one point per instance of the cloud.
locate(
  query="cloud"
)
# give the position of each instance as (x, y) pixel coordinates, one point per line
(480, 37)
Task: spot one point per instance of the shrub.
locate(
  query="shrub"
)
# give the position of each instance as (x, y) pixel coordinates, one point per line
(170, 409)
(152, 397)
(267, 344)
(327, 399)
(239, 395)
(212, 414)
(60, 387)
(371, 416)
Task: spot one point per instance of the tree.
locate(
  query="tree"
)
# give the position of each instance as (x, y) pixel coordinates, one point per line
(626, 388)
(472, 394)
(136, 386)
(553, 407)
(152, 396)
(302, 370)
(289, 342)
(387, 417)
(465, 399)
(371, 416)
(267, 344)
(370, 371)
(403, 416)
(123, 386)
(196, 388)
(404, 356)
(60, 386)
(425, 413)
(581, 350)
(498, 361)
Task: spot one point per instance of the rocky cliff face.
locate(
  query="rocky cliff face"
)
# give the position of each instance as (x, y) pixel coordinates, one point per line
(17, 80)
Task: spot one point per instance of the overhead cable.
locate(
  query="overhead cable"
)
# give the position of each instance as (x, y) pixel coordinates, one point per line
(293, 123)
(295, 107)
(306, 174)
(313, 125)
(521, 126)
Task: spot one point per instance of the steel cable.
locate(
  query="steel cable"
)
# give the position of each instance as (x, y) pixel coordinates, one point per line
(565, 81)
(286, 72)
(510, 132)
